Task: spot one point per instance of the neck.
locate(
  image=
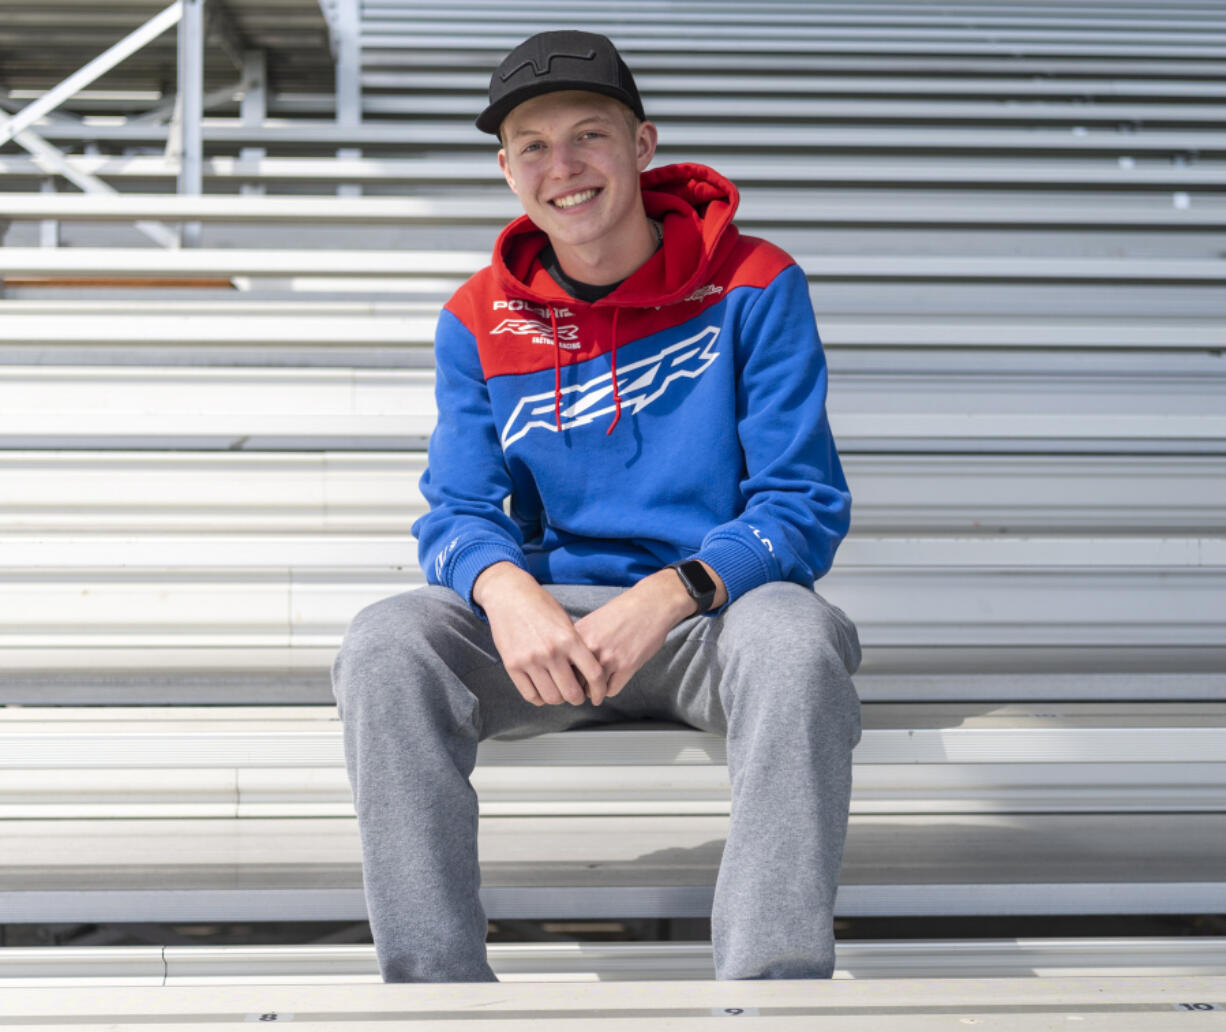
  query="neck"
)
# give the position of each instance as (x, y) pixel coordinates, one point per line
(609, 260)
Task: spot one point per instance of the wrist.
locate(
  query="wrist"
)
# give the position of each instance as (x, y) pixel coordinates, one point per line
(701, 583)
(669, 595)
(496, 579)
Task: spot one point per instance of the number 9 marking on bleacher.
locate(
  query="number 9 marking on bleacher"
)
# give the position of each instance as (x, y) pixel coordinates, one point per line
(734, 1012)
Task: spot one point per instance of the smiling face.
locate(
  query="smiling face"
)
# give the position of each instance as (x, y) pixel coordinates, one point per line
(573, 160)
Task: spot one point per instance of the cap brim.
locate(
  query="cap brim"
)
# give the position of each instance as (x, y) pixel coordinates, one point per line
(490, 120)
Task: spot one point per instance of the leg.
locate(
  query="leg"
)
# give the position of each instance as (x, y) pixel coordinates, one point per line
(418, 683)
(775, 669)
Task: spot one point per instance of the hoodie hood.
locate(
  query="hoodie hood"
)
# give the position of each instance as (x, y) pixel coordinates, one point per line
(695, 205)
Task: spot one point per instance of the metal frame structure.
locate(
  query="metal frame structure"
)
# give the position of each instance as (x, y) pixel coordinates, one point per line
(197, 22)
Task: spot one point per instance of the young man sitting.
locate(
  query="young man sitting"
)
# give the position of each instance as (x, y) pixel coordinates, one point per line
(647, 388)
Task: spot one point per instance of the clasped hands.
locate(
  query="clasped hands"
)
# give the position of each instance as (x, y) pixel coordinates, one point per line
(552, 659)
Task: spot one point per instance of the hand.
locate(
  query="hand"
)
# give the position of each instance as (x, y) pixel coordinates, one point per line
(539, 645)
(630, 628)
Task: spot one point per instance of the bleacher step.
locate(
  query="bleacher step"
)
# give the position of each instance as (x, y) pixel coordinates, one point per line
(589, 867)
(590, 961)
(923, 1005)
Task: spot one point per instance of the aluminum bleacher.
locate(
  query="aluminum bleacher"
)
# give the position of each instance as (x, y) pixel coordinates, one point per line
(1010, 215)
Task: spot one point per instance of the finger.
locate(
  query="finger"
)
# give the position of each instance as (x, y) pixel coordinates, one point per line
(597, 684)
(524, 685)
(568, 684)
(594, 680)
(616, 683)
(546, 686)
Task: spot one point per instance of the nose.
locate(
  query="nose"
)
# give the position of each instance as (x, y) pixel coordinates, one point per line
(564, 161)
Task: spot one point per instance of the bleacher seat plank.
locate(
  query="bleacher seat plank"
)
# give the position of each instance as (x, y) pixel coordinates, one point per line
(856, 111)
(61, 739)
(351, 552)
(108, 492)
(243, 674)
(1037, 592)
(287, 761)
(761, 208)
(1189, 956)
(692, 138)
(489, 45)
(881, 400)
(773, 21)
(292, 869)
(616, 790)
(228, 331)
(846, 1005)
(137, 261)
(915, 172)
(113, 334)
(671, 83)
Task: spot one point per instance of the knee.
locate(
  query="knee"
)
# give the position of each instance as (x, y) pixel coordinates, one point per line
(799, 649)
(781, 623)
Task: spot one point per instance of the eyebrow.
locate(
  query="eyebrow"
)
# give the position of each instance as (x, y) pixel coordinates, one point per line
(604, 119)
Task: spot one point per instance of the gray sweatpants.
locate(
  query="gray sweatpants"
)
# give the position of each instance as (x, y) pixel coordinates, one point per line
(419, 683)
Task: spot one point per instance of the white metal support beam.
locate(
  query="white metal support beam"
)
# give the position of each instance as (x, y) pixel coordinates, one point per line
(48, 229)
(190, 109)
(253, 110)
(346, 29)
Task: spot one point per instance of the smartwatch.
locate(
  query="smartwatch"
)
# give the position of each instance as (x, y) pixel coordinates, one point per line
(697, 582)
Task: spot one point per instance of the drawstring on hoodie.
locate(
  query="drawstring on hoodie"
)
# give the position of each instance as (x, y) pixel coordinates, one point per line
(617, 398)
(557, 372)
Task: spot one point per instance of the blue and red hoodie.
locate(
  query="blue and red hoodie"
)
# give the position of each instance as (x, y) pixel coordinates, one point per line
(681, 416)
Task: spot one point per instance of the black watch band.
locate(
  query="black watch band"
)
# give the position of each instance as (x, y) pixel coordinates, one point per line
(697, 582)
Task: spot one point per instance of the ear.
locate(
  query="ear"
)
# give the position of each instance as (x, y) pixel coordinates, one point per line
(645, 139)
(505, 165)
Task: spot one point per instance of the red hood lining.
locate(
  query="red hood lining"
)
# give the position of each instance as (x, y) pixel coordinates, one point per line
(695, 204)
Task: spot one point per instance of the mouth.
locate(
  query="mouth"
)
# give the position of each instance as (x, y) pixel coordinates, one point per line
(573, 200)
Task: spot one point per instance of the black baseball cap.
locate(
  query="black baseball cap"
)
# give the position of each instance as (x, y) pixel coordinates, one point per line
(566, 59)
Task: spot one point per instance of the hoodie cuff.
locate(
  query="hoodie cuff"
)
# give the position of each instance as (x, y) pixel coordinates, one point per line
(738, 565)
(468, 565)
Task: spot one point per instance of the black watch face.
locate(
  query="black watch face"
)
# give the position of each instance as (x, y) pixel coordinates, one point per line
(698, 577)
(697, 582)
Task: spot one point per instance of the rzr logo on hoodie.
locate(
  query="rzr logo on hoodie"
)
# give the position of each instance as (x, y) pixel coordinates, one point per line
(540, 332)
(583, 403)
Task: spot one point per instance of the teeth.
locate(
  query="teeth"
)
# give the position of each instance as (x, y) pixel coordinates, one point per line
(570, 200)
